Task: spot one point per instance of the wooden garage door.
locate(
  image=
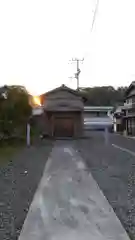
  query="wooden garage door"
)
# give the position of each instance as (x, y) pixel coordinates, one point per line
(63, 127)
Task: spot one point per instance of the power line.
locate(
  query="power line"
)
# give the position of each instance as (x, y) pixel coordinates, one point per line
(81, 60)
(94, 18)
(95, 14)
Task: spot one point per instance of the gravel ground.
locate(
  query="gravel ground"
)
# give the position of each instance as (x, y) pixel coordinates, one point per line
(114, 171)
(18, 182)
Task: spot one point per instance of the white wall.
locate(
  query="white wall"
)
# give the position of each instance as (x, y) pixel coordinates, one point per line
(37, 111)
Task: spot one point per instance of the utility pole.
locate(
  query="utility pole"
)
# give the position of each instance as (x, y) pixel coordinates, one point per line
(78, 70)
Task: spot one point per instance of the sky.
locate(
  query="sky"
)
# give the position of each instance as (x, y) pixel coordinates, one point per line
(38, 38)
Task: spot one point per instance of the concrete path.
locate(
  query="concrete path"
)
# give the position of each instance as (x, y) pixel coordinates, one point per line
(68, 203)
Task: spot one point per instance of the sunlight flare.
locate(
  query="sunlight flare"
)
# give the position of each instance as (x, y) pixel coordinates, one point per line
(36, 100)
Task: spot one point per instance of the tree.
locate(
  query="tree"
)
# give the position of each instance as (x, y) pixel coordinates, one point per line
(14, 108)
(103, 96)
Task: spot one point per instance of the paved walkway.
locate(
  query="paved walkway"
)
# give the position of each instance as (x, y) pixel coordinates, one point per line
(68, 203)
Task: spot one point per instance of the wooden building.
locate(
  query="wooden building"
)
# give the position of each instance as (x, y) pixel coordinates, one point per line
(118, 119)
(62, 113)
(129, 106)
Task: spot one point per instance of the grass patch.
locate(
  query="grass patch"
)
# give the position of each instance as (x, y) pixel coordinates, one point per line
(8, 151)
